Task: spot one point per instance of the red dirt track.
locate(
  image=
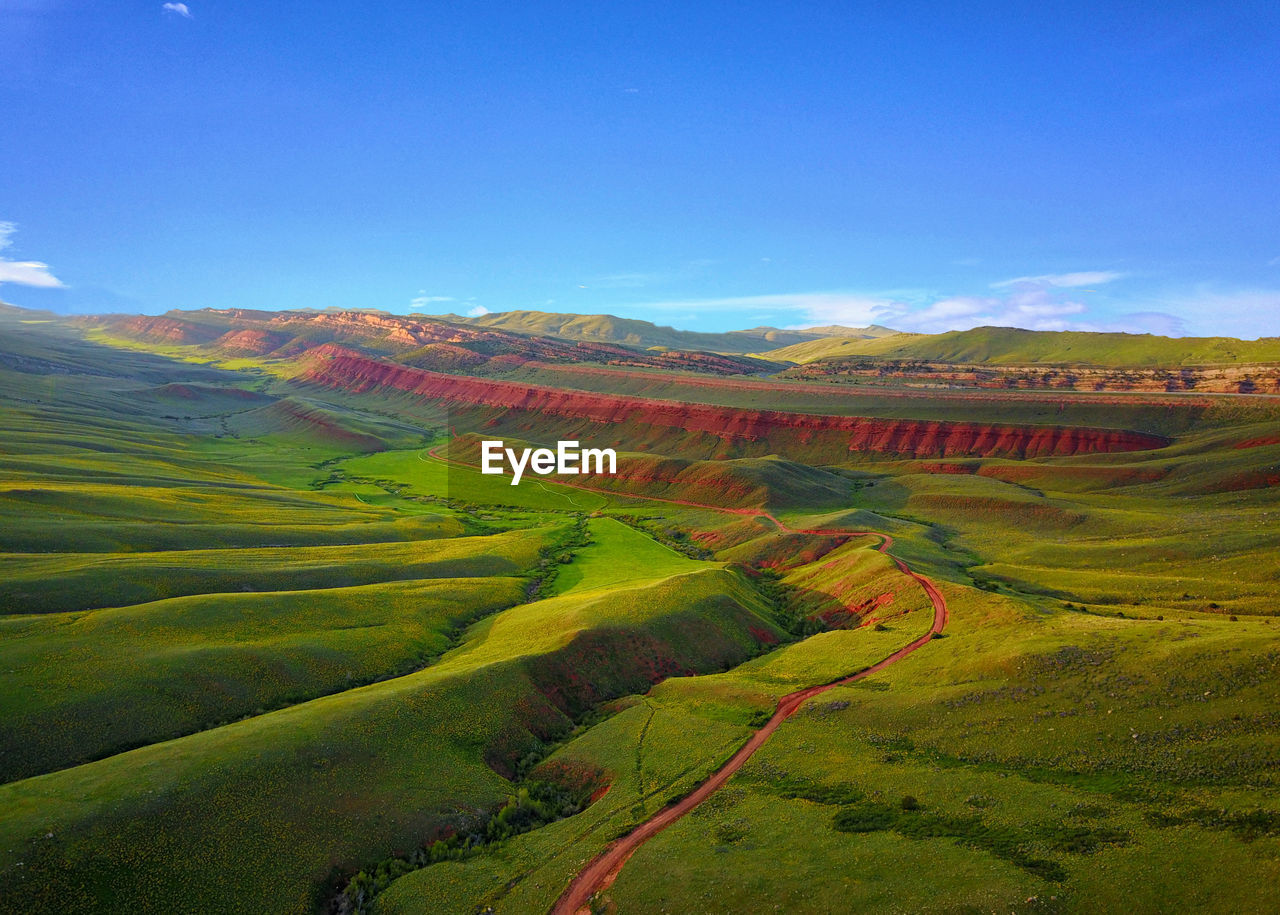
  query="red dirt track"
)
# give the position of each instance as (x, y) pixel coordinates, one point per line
(600, 873)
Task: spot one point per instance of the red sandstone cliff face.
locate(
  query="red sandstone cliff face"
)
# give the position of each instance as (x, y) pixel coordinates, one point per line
(772, 430)
(250, 342)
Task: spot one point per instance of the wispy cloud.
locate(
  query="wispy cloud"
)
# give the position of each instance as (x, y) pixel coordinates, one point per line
(24, 273)
(477, 311)
(832, 306)
(1034, 309)
(422, 300)
(180, 8)
(1062, 280)
(1032, 305)
(1244, 313)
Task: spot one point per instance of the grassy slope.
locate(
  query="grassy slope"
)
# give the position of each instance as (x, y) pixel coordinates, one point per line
(338, 780)
(97, 683)
(62, 582)
(1029, 733)
(1013, 346)
(658, 747)
(1101, 531)
(1020, 717)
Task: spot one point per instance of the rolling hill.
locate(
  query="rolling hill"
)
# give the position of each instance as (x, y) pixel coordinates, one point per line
(1015, 346)
(271, 642)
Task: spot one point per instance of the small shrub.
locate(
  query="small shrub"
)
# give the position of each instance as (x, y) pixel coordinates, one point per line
(865, 818)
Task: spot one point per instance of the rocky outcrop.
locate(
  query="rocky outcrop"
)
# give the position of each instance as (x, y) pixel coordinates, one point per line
(250, 342)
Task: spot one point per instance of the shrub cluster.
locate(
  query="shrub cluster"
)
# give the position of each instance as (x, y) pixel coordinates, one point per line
(536, 803)
(1015, 845)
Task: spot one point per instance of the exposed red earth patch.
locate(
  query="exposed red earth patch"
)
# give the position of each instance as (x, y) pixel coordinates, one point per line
(1250, 479)
(250, 342)
(939, 467)
(1272, 439)
(741, 431)
(856, 614)
(763, 636)
(788, 551)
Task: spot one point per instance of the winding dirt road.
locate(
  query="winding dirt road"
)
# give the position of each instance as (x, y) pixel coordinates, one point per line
(601, 872)
(604, 869)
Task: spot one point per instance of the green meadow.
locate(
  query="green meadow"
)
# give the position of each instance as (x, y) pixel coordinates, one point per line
(257, 638)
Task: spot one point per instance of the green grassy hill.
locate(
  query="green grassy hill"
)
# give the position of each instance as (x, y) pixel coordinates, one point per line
(340, 780)
(1014, 346)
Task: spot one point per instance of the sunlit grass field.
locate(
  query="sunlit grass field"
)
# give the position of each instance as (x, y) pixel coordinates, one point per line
(256, 637)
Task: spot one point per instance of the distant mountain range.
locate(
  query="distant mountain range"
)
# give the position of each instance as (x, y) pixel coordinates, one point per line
(448, 342)
(645, 334)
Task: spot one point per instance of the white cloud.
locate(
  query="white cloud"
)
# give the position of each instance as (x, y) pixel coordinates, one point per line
(1244, 313)
(1142, 322)
(179, 8)
(422, 301)
(825, 307)
(1034, 309)
(477, 311)
(24, 273)
(1062, 280)
(1038, 305)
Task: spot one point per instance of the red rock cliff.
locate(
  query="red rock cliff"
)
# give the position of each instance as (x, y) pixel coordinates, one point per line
(782, 432)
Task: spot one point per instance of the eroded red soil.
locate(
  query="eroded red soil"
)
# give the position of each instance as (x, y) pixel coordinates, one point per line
(778, 432)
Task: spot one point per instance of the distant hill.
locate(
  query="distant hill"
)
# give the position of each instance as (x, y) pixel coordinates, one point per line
(632, 332)
(836, 346)
(1013, 346)
(417, 340)
(839, 330)
(25, 314)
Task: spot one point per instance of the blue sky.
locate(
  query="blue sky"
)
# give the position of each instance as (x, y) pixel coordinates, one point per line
(708, 165)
